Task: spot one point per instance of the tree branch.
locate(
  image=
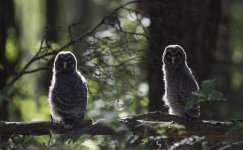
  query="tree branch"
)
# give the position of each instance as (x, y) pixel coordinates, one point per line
(208, 129)
(144, 125)
(36, 128)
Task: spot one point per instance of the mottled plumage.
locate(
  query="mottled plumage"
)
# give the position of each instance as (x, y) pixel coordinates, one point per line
(68, 90)
(179, 83)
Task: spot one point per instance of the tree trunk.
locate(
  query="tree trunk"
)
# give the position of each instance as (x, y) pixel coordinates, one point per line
(6, 67)
(3, 75)
(52, 10)
(51, 20)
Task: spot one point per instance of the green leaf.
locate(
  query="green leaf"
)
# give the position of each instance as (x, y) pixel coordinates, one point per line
(215, 95)
(189, 104)
(207, 86)
(208, 92)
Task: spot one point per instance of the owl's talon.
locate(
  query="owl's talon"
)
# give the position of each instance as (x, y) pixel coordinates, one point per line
(171, 123)
(66, 125)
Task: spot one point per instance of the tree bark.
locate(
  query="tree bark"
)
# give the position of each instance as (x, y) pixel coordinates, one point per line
(143, 125)
(6, 67)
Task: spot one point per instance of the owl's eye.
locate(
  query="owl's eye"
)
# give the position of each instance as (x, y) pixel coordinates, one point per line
(178, 56)
(69, 61)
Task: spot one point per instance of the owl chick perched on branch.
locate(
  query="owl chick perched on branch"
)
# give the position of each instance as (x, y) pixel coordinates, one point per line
(68, 91)
(179, 83)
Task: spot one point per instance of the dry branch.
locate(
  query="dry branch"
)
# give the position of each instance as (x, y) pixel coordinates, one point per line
(143, 125)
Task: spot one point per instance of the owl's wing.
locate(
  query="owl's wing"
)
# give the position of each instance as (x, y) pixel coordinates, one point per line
(187, 99)
(190, 105)
(84, 93)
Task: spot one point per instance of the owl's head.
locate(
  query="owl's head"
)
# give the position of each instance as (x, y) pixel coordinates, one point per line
(65, 61)
(174, 55)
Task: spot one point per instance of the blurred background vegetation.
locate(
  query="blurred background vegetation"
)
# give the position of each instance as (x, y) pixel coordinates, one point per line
(121, 58)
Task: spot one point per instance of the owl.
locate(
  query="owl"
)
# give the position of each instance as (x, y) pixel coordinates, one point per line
(179, 84)
(68, 91)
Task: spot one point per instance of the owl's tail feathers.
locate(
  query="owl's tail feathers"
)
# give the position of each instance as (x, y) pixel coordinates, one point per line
(71, 122)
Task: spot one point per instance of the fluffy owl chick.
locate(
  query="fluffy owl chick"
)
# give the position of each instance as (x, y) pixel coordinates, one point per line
(68, 90)
(179, 83)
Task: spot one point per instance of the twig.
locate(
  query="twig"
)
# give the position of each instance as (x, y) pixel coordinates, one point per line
(35, 70)
(41, 55)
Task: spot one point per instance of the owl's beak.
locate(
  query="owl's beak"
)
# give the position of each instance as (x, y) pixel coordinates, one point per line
(173, 60)
(64, 64)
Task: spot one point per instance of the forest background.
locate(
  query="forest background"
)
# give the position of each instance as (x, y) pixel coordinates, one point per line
(118, 45)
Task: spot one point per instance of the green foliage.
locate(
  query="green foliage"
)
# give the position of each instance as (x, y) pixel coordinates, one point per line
(236, 80)
(238, 127)
(189, 104)
(11, 50)
(166, 128)
(208, 92)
